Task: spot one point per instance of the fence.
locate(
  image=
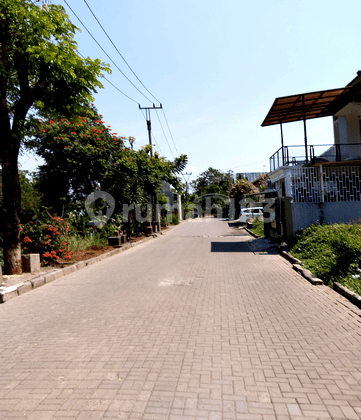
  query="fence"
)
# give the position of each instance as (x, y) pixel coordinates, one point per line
(318, 184)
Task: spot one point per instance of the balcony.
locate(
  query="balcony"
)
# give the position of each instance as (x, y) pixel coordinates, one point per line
(297, 155)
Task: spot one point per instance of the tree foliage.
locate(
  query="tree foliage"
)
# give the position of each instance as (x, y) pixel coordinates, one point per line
(213, 181)
(81, 157)
(40, 70)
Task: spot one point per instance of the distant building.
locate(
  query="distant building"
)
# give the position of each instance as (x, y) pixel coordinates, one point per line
(251, 176)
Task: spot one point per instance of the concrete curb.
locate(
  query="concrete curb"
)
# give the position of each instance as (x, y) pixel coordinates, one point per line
(251, 233)
(7, 293)
(353, 297)
(296, 265)
(345, 292)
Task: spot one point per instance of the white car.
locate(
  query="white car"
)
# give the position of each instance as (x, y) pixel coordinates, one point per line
(250, 213)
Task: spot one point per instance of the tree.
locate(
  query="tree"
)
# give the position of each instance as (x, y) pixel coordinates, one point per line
(213, 181)
(41, 71)
(238, 191)
(85, 156)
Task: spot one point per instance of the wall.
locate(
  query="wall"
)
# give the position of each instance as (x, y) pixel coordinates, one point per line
(306, 214)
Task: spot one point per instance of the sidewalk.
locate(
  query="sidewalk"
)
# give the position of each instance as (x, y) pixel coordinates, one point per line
(194, 325)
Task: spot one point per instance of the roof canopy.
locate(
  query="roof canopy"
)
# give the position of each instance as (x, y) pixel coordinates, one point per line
(305, 106)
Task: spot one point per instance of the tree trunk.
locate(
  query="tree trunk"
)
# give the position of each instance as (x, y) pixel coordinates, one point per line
(10, 223)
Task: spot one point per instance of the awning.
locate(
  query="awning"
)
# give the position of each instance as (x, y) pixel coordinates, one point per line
(305, 106)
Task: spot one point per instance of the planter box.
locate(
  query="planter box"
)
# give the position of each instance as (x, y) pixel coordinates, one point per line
(31, 263)
(115, 240)
(148, 230)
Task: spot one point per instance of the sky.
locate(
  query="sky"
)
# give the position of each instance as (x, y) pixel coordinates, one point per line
(216, 67)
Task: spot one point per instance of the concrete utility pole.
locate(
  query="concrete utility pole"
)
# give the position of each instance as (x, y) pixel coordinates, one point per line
(189, 174)
(149, 125)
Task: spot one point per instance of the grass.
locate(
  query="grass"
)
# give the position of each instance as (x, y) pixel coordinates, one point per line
(258, 227)
(75, 243)
(332, 253)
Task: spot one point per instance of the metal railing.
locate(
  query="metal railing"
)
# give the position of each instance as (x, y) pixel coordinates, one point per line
(295, 155)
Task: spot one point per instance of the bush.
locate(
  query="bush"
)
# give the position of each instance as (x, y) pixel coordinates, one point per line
(258, 227)
(332, 253)
(48, 237)
(173, 219)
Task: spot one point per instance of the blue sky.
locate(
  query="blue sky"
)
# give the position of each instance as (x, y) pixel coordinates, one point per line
(217, 66)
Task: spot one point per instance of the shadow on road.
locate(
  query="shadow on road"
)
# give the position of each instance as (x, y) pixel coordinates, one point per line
(230, 247)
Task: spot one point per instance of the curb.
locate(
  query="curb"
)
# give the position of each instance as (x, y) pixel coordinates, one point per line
(296, 265)
(345, 292)
(251, 233)
(353, 297)
(7, 293)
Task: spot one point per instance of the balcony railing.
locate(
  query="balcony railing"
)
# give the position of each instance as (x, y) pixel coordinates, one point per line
(296, 156)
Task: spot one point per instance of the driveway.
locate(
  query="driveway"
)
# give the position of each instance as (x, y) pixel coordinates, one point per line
(192, 325)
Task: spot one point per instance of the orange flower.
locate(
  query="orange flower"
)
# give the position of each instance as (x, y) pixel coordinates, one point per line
(27, 239)
(59, 138)
(46, 242)
(65, 244)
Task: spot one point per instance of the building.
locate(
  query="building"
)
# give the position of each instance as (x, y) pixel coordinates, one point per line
(317, 183)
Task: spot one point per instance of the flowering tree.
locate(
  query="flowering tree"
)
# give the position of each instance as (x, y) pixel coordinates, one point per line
(82, 154)
(40, 70)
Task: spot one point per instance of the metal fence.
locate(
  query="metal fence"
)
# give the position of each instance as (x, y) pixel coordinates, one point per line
(330, 184)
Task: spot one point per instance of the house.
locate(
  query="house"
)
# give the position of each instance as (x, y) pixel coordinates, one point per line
(317, 183)
(174, 199)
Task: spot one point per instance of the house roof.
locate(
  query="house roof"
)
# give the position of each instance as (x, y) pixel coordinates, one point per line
(323, 103)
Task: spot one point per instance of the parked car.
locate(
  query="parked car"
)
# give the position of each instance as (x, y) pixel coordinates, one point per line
(250, 213)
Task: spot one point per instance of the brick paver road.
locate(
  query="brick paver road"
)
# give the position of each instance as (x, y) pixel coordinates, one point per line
(192, 325)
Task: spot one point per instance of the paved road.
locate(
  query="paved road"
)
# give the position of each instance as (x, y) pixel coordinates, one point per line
(192, 325)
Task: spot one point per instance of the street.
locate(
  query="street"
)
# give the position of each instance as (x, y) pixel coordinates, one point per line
(191, 325)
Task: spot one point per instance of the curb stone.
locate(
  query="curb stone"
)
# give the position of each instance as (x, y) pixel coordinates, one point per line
(348, 294)
(307, 274)
(252, 234)
(353, 297)
(7, 293)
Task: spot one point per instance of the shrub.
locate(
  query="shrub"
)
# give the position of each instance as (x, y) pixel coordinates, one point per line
(48, 237)
(332, 252)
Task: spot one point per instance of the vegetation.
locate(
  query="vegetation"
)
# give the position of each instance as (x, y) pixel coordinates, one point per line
(41, 72)
(213, 181)
(332, 253)
(238, 191)
(46, 92)
(258, 227)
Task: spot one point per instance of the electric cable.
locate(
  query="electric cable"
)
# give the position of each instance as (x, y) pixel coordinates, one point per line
(81, 55)
(170, 132)
(119, 52)
(106, 52)
(164, 133)
(157, 144)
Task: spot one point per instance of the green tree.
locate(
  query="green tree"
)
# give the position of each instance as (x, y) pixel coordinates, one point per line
(41, 71)
(213, 181)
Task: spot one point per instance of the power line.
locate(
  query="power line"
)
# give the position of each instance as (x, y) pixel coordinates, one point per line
(164, 133)
(170, 132)
(106, 53)
(123, 72)
(81, 55)
(119, 51)
(157, 144)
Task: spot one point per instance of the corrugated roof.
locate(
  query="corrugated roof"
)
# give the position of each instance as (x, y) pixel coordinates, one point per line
(307, 105)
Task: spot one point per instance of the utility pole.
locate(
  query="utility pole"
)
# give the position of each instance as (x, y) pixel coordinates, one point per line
(189, 174)
(149, 124)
